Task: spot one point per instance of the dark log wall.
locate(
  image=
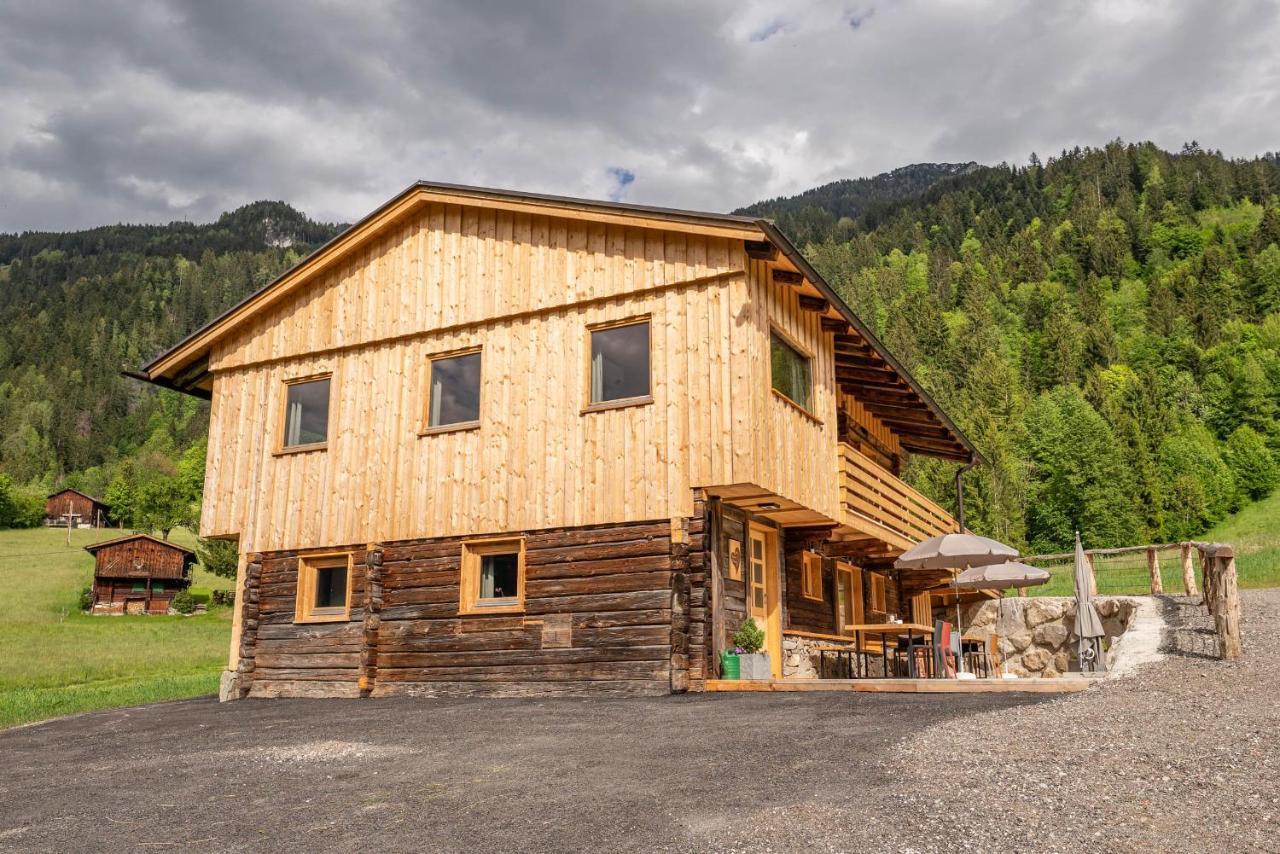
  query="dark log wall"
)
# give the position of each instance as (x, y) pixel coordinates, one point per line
(57, 505)
(300, 659)
(140, 558)
(608, 609)
(733, 598)
(805, 614)
(111, 595)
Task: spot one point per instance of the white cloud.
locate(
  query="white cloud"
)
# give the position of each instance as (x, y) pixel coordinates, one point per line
(158, 109)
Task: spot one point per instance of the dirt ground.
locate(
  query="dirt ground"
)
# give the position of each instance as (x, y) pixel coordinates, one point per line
(671, 773)
(1180, 757)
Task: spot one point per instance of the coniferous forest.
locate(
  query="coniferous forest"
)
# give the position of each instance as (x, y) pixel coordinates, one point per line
(1105, 326)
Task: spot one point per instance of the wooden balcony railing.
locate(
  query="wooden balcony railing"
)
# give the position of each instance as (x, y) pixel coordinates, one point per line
(872, 494)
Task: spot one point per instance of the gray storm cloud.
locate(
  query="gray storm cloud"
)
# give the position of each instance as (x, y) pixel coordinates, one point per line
(153, 110)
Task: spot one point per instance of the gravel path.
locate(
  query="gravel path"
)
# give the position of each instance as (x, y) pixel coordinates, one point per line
(1183, 756)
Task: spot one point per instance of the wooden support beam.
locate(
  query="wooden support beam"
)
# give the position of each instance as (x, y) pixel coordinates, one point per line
(760, 250)
(834, 324)
(1188, 571)
(787, 277)
(818, 304)
(1153, 569)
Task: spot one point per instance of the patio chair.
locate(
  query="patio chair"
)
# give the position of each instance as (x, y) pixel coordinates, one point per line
(944, 652)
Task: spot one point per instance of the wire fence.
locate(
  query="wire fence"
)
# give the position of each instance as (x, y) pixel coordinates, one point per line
(1125, 574)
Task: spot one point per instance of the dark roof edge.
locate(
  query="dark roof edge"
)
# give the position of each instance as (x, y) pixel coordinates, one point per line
(793, 254)
(77, 492)
(93, 547)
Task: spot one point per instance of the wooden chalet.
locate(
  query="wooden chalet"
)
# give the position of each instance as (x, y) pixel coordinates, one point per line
(71, 506)
(495, 442)
(138, 574)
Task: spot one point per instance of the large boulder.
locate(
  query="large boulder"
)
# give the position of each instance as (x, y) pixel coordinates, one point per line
(1040, 611)
(1052, 635)
(1035, 660)
(1062, 662)
(1019, 640)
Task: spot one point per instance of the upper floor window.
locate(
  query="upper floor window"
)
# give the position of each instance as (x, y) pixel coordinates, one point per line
(454, 397)
(620, 363)
(306, 419)
(790, 372)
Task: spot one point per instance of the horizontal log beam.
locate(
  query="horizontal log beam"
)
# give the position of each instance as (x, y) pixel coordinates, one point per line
(808, 303)
(834, 324)
(787, 277)
(761, 250)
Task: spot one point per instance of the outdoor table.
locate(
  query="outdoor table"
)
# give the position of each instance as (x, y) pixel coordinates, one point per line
(885, 630)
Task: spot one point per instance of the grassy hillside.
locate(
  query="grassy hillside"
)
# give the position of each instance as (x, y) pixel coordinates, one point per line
(1255, 532)
(58, 661)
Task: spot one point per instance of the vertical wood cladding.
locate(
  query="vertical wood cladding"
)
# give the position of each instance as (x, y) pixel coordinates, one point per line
(607, 610)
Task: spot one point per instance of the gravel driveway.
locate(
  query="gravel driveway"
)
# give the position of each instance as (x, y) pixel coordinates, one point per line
(1180, 758)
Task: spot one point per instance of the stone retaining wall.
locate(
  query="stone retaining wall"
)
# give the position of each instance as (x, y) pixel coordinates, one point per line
(1037, 634)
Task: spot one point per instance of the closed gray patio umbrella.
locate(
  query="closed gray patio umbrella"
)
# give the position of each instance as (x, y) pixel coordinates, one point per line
(1088, 623)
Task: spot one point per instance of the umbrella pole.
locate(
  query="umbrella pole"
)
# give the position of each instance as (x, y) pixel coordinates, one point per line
(959, 627)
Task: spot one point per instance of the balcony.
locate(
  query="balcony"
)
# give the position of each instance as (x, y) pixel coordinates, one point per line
(878, 503)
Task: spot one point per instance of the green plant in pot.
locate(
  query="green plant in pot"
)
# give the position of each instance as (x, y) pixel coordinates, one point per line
(748, 641)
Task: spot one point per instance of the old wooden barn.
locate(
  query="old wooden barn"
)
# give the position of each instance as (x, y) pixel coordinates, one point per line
(138, 574)
(494, 442)
(71, 506)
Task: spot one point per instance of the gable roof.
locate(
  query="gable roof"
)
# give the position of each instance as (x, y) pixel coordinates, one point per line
(865, 368)
(94, 548)
(77, 492)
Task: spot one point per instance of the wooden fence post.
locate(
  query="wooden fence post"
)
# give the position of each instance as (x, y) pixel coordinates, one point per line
(1153, 567)
(1227, 590)
(1188, 571)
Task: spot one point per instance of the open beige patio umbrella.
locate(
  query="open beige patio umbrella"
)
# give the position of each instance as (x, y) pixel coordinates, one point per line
(1000, 576)
(955, 551)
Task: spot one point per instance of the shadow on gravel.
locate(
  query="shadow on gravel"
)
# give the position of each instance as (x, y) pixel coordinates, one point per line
(1189, 631)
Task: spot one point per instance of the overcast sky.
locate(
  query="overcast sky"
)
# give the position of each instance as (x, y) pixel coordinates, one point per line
(154, 110)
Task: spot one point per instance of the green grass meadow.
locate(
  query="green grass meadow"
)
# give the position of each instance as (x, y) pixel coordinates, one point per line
(58, 661)
(1254, 532)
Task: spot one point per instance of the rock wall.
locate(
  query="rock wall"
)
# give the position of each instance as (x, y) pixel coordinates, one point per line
(800, 658)
(1037, 634)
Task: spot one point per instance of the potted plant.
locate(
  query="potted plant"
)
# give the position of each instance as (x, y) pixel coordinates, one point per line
(749, 640)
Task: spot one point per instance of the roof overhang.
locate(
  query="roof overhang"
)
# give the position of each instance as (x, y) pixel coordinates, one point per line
(864, 367)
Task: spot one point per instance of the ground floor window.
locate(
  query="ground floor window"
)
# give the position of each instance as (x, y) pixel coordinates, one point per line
(492, 579)
(324, 588)
(811, 576)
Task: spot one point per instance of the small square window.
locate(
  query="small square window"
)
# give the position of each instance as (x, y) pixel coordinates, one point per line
(790, 371)
(492, 578)
(139, 586)
(454, 397)
(324, 589)
(811, 576)
(620, 363)
(306, 420)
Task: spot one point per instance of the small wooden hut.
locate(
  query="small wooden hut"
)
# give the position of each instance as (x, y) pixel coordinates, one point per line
(138, 574)
(71, 506)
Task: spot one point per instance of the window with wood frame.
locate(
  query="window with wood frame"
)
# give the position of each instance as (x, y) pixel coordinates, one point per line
(790, 372)
(453, 392)
(618, 372)
(324, 588)
(811, 575)
(849, 610)
(306, 414)
(878, 602)
(492, 579)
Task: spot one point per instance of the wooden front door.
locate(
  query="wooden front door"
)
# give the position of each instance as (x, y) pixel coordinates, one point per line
(848, 596)
(762, 591)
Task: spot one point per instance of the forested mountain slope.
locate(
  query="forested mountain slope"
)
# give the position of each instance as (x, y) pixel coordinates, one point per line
(1105, 326)
(78, 307)
(832, 210)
